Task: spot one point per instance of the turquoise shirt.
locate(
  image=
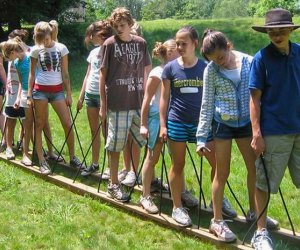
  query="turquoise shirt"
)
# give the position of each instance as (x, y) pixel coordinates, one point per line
(22, 67)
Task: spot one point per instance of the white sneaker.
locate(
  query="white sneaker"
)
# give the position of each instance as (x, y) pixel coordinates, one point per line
(221, 230)
(9, 154)
(106, 174)
(148, 204)
(129, 180)
(122, 175)
(181, 216)
(261, 240)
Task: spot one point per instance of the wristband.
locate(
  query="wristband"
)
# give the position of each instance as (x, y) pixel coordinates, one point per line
(28, 97)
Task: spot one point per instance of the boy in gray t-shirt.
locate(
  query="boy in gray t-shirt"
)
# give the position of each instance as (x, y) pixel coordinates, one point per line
(125, 63)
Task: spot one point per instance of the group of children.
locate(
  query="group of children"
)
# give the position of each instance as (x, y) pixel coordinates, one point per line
(185, 99)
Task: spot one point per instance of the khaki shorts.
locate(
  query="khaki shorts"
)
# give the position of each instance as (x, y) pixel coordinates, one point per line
(120, 123)
(282, 151)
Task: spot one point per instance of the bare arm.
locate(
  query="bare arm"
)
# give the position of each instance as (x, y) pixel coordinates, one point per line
(163, 106)
(82, 91)
(151, 88)
(102, 112)
(31, 80)
(257, 143)
(66, 79)
(2, 71)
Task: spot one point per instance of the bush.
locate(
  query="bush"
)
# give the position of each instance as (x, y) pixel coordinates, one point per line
(72, 35)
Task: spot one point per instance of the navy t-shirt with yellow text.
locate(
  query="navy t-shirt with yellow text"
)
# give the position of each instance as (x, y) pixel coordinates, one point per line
(186, 91)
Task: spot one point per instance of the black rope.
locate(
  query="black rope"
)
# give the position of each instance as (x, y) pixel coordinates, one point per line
(68, 134)
(268, 199)
(200, 191)
(104, 154)
(162, 177)
(287, 212)
(164, 165)
(140, 170)
(86, 154)
(80, 146)
(236, 199)
(196, 173)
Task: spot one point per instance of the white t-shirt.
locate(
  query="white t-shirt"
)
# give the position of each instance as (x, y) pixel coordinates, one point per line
(156, 72)
(92, 84)
(48, 70)
(12, 86)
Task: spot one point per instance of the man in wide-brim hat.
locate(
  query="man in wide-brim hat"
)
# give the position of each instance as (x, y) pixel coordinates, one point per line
(275, 114)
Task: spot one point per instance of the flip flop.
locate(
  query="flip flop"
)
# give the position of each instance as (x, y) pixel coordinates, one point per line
(26, 162)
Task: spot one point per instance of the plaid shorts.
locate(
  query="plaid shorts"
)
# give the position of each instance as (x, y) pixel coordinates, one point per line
(120, 123)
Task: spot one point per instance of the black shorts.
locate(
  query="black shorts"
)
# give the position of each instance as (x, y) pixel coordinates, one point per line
(222, 131)
(10, 112)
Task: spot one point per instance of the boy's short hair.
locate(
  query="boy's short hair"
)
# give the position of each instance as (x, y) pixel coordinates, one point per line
(119, 14)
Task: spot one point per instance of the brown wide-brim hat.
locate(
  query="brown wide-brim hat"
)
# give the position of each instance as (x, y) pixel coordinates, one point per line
(277, 18)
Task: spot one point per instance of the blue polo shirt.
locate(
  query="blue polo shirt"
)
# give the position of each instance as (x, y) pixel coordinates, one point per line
(278, 77)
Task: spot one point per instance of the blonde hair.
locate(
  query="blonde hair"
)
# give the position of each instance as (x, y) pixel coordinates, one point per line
(119, 14)
(14, 44)
(95, 27)
(42, 29)
(160, 50)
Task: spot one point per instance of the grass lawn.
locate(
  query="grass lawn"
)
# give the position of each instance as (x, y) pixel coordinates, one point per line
(38, 215)
(35, 214)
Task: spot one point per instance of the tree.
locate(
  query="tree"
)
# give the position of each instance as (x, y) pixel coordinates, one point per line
(260, 7)
(230, 9)
(13, 12)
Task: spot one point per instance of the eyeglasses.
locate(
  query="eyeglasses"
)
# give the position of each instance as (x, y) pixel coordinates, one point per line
(102, 35)
(278, 32)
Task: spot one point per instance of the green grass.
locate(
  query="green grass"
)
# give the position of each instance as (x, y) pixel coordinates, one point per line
(36, 214)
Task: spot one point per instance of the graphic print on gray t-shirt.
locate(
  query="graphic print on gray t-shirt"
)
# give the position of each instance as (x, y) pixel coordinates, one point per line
(125, 63)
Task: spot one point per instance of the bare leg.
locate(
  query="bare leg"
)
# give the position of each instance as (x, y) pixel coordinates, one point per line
(178, 150)
(148, 167)
(61, 109)
(113, 163)
(10, 128)
(40, 107)
(93, 117)
(261, 198)
(223, 152)
(249, 159)
(28, 124)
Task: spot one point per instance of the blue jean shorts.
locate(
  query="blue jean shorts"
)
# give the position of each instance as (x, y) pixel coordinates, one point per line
(222, 131)
(92, 101)
(51, 97)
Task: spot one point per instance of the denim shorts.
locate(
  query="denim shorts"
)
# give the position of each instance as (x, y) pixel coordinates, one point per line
(51, 97)
(282, 152)
(222, 131)
(92, 101)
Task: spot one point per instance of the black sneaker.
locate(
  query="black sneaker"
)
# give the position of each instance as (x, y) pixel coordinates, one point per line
(156, 185)
(91, 169)
(76, 163)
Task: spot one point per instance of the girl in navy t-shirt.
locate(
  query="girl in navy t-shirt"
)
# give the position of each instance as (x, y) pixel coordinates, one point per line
(181, 92)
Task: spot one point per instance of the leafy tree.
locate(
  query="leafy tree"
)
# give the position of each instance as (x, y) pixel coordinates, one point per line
(198, 9)
(262, 6)
(230, 9)
(13, 12)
